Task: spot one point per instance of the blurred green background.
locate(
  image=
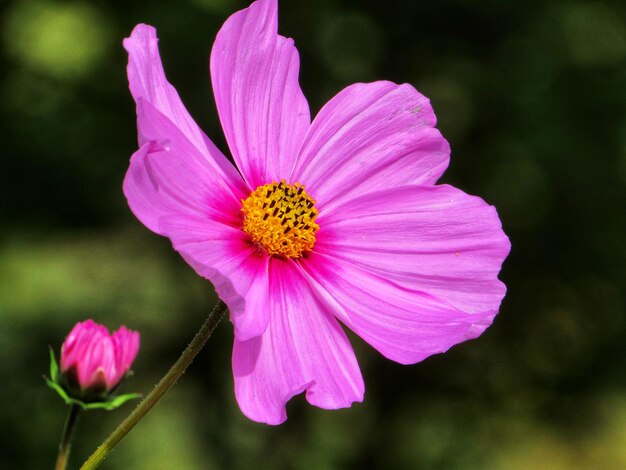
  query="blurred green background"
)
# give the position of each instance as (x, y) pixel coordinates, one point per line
(532, 97)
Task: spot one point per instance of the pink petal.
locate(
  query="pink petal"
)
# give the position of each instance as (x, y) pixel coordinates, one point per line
(368, 137)
(172, 177)
(261, 106)
(72, 342)
(303, 348)
(148, 83)
(403, 324)
(437, 240)
(96, 366)
(76, 347)
(108, 365)
(237, 269)
(126, 347)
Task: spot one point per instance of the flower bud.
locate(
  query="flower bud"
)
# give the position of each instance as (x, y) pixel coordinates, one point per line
(93, 362)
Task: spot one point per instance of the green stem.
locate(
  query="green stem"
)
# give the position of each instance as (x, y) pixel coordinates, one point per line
(160, 389)
(66, 439)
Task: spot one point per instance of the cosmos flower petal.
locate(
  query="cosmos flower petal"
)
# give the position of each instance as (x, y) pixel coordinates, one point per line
(98, 366)
(303, 348)
(404, 325)
(108, 366)
(85, 357)
(74, 343)
(91, 359)
(368, 137)
(432, 239)
(172, 177)
(238, 271)
(148, 83)
(126, 347)
(263, 111)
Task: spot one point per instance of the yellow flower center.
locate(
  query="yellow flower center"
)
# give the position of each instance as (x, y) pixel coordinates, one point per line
(280, 217)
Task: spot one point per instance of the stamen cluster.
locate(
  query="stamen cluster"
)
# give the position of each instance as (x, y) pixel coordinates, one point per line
(280, 217)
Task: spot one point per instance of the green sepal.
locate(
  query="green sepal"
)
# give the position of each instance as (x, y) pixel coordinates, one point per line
(62, 393)
(54, 366)
(111, 403)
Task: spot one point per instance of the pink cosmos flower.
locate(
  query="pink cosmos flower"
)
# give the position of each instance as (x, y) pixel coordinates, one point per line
(334, 219)
(93, 361)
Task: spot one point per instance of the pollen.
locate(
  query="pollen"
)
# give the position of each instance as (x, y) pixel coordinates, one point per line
(280, 217)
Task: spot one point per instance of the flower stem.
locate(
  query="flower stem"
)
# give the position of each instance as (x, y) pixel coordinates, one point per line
(66, 438)
(168, 380)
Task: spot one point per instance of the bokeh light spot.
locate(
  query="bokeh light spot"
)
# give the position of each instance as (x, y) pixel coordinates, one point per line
(65, 40)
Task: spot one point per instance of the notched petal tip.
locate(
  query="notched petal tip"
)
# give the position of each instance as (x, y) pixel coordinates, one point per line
(141, 32)
(277, 414)
(303, 349)
(322, 400)
(271, 6)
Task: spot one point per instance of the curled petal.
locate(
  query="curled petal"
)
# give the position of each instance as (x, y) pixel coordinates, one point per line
(148, 83)
(303, 348)
(171, 177)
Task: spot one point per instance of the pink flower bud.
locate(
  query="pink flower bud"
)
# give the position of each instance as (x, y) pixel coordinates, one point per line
(93, 361)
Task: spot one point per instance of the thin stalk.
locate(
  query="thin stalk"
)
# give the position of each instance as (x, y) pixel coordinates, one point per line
(66, 438)
(168, 380)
